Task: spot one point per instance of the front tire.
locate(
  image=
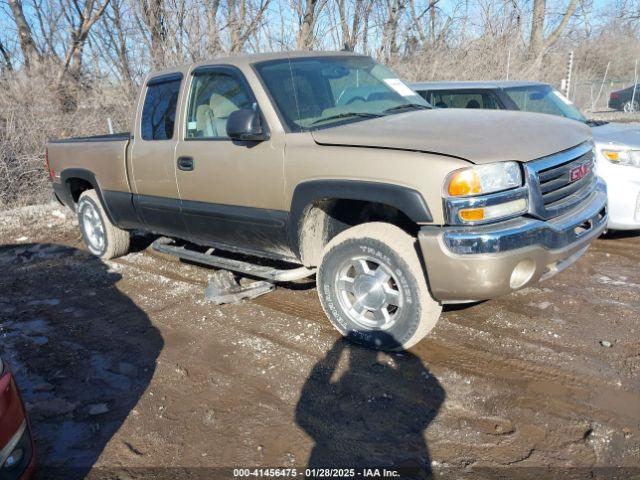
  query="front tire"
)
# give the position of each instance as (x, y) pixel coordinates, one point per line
(631, 107)
(373, 289)
(102, 238)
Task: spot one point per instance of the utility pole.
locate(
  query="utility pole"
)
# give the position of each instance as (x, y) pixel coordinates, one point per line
(566, 82)
(635, 86)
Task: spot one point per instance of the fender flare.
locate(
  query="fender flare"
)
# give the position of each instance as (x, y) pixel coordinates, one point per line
(89, 177)
(405, 199)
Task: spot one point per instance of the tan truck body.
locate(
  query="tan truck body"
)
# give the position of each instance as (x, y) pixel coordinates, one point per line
(266, 198)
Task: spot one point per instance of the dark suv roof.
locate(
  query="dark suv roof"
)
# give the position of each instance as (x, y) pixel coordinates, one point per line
(491, 84)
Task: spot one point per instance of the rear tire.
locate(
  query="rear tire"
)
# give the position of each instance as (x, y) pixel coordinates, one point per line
(373, 288)
(102, 238)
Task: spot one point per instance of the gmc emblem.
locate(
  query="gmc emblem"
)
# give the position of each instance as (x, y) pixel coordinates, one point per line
(578, 172)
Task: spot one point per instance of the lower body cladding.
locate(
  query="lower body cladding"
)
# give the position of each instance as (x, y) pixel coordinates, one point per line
(17, 452)
(467, 264)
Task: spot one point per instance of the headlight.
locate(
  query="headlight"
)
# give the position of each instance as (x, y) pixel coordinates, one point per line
(483, 179)
(622, 156)
(484, 193)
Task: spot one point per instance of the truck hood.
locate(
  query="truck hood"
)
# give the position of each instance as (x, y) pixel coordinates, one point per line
(479, 136)
(619, 134)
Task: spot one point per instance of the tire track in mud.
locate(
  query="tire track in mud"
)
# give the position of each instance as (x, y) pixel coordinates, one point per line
(513, 397)
(283, 301)
(527, 338)
(303, 304)
(263, 361)
(463, 357)
(477, 357)
(457, 349)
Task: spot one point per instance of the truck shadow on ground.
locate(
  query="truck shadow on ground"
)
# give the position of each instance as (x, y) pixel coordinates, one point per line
(373, 413)
(82, 351)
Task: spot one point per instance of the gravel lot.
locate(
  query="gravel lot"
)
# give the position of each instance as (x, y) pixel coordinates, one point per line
(124, 366)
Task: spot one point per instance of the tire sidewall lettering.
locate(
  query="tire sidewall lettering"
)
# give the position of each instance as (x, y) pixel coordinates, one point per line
(331, 306)
(407, 324)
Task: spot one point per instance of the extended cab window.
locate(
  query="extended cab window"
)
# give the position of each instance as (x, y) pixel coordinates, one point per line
(159, 110)
(214, 96)
(463, 99)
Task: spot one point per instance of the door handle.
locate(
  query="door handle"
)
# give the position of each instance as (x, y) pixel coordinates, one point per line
(185, 163)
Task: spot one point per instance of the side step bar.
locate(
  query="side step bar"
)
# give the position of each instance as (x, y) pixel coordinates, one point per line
(165, 245)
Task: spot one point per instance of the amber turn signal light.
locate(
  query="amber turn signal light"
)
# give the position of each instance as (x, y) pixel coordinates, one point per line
(465, 182)
(472, 214)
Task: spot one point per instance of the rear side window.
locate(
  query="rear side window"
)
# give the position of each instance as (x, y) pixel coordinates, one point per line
(462, 99)
(159, 110)
(424, 94)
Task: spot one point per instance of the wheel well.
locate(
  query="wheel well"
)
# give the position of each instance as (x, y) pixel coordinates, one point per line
(324, 219)
(77, 186)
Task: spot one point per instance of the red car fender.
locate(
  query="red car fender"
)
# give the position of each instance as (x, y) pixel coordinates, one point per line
(12, 416)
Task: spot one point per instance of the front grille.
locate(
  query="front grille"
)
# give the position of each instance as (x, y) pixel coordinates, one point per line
(556, 184)
(552, 189)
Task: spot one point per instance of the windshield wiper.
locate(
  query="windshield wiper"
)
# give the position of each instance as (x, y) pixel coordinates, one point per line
(347, 115)
(407, 106)
(596, 123)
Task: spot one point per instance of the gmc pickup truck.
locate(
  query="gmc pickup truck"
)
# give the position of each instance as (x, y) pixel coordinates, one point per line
(328, 161)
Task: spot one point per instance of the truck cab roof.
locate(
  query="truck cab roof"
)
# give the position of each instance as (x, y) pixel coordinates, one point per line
(250, 59)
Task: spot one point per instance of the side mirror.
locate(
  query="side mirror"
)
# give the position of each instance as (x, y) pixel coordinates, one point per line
(245, 125)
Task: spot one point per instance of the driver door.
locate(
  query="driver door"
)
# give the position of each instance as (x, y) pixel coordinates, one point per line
(232, 192)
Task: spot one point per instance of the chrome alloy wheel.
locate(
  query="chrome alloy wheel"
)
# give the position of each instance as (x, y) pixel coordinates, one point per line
(93, 228)
(369, 292)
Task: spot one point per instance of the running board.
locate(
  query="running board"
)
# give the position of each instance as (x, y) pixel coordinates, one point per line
(165, 245)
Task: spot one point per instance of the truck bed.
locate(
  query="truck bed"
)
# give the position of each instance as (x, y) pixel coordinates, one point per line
(104, 157)
(113, 137)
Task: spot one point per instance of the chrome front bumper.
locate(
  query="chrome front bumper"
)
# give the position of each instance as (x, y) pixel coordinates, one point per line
(466, 264)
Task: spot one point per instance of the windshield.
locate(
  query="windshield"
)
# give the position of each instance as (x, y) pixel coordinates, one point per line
(317, 92)
(544, 99)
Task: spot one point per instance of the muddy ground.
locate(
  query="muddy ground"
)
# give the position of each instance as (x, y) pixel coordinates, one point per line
(124, 366)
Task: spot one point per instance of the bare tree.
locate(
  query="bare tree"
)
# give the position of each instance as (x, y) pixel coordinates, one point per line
(25, 35)
(308, 11)
(538, 41)
(153, 16)
(392, 12)
(7, 65)
(81, 18)
(213, 30)
(89, 52)
(350, 33)
(114, 43)
(417, 22)
(244, 20)
(48, 24)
